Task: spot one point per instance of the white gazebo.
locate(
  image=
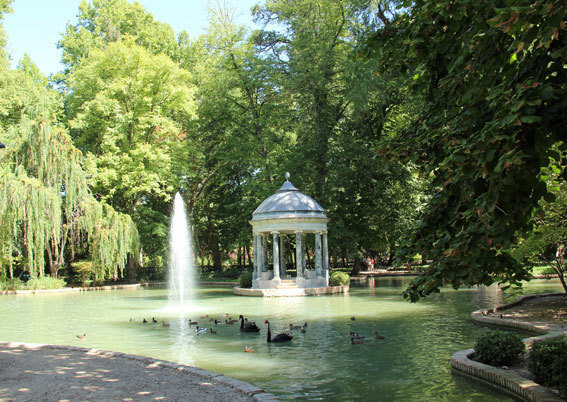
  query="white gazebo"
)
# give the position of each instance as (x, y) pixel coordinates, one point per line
(289, 212)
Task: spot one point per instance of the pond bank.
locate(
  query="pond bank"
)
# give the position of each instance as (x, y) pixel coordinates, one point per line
(105, 287)
(31, 372)
(541, 314)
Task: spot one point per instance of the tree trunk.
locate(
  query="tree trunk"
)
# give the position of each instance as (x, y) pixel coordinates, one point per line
(250, 264)
(215, 250)
(131, 269)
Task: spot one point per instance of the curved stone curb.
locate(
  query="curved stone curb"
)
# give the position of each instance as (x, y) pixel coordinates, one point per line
(299, 292)
(256, 393)
(506, 380)
(106, 287)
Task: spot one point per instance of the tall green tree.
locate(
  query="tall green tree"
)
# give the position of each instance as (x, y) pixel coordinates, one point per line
(129, 110)
(339, 112)
(100, 22)
(240, 129)
(547, 241)
(47, 211)
(492, 78)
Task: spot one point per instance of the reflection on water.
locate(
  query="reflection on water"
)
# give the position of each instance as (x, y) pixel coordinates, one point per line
(411, 364)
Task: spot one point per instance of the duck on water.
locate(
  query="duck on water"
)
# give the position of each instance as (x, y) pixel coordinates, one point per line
(283, 337)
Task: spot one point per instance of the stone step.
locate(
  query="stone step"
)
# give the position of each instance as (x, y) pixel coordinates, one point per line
(292, 285)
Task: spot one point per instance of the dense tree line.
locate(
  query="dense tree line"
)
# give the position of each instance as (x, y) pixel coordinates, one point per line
(424, 128)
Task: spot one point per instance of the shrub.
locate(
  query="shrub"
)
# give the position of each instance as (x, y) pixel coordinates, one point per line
(45, 282)
(12, 284)
(547, 361)
(84, 270)
(499, 348)
(339, 278)
(245, 280)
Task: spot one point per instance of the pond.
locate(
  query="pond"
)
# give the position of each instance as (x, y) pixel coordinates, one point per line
(411, 364)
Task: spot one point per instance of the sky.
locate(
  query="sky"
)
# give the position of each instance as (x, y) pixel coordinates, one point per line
(35, 26)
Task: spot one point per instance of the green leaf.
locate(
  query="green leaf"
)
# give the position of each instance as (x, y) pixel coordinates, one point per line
(530, 119)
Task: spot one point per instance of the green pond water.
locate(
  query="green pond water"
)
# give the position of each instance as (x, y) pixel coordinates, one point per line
(411, 364)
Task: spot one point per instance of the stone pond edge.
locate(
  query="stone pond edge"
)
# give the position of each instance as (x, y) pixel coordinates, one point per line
(502, 379)
(300, 292)
(256, 393)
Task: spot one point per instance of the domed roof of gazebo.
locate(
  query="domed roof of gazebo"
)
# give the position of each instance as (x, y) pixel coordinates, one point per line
(288, 202)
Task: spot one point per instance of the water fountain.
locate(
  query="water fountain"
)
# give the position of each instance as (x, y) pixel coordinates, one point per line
(181, 262)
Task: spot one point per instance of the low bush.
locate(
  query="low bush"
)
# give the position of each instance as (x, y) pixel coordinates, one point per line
(339, 278)
(547, 361)
(499, 348)
(12, 284)
(45, 282)
(245, 280)
(84, 271)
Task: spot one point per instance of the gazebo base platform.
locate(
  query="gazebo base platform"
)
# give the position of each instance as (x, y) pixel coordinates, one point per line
(296, 292)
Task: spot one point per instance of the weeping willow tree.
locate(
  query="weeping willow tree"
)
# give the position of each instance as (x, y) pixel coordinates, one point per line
(47, 210)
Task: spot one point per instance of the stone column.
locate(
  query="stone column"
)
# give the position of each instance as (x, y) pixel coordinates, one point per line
(265, 260)
(303, 256)
(325, 258)
(318, 256)
(298, 254)
(282, 255)
(276, 254)
(256, 254)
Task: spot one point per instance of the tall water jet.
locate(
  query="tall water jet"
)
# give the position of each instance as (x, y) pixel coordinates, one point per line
(181, 266)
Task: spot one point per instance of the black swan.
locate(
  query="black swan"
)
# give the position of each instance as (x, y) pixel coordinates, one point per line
(283, 337)
(249, 327)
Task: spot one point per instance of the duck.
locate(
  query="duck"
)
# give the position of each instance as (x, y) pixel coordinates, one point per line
(356, 342)
(248, 349)
(283, 337)
(164, 324)
(217, 322)
(291, 327)
(303, 330)
(204, 316)
(353, 318)
(230, 322)
(154, 320)
(200, 330)
(378, 336)
(213, 331)
(355, 335)
(82, 337)
(192, 322)
(249, 327)
(144, 321)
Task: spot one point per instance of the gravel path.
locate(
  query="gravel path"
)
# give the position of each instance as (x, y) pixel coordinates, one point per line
(31, 372)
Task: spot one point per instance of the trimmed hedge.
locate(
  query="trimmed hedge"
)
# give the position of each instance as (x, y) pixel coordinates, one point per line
(245, 280)
(339, 278)
(547, 361)
(499, 348)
